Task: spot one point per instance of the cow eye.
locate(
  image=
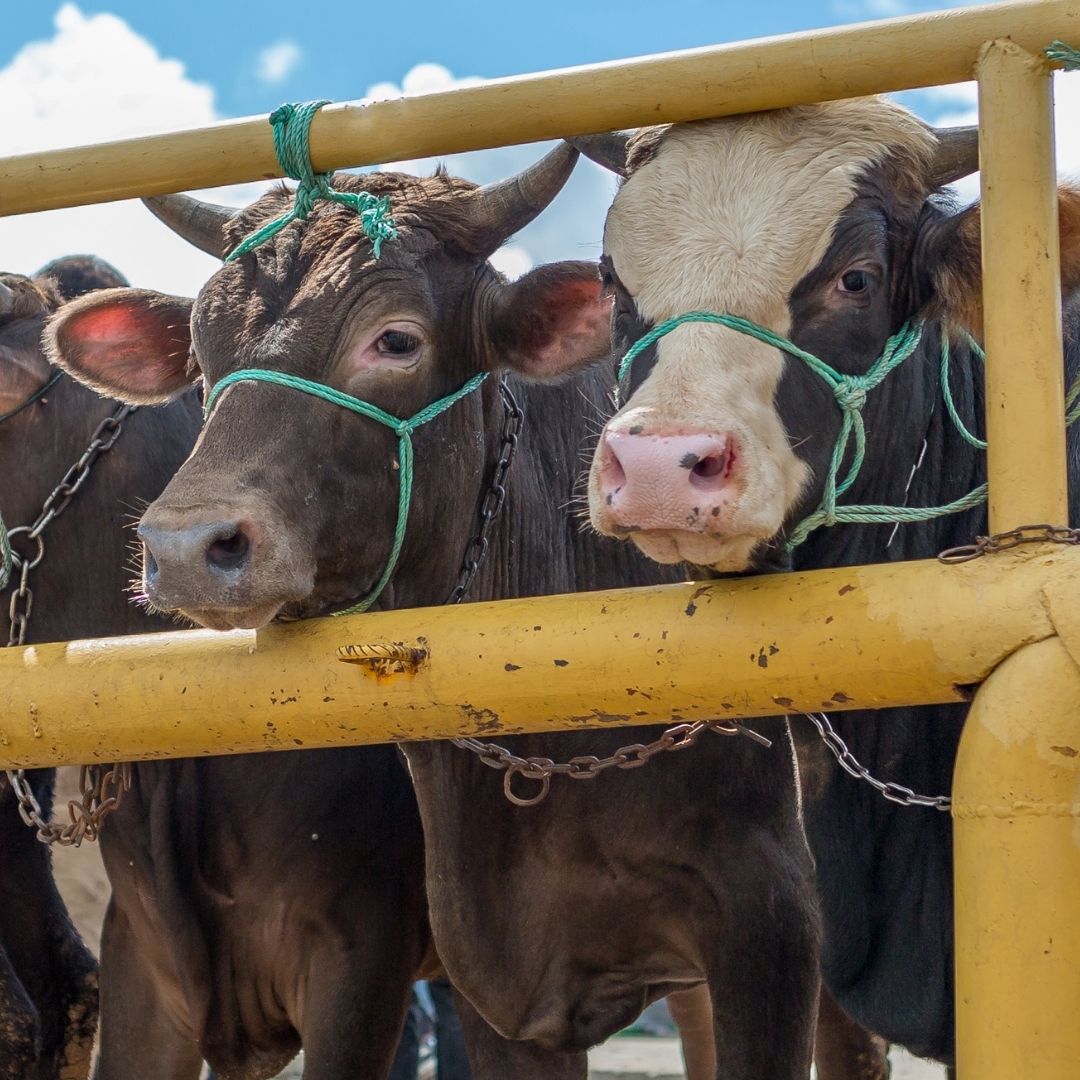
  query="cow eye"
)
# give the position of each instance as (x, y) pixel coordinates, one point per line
(397, 343)
(854, 281)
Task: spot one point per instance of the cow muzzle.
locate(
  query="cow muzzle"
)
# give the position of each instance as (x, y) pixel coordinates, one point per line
(223, 569)
(656, 481)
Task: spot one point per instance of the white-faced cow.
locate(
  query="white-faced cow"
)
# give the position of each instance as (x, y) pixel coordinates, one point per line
(259, 902)
(558, 921)
(825, 225)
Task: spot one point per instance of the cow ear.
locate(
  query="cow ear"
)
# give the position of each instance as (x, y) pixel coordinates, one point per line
(552, 321)
(131, 344)
(952, 261)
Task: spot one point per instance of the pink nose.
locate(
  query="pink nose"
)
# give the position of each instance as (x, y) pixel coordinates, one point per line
(665, 481)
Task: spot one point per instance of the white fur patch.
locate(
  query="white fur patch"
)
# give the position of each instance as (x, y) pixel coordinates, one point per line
(728, 217)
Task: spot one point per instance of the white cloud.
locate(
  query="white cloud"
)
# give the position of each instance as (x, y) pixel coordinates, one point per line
(278, 61)
(96, 79)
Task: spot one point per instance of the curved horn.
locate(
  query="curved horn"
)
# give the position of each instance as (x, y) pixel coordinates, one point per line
(502, 208)
(7, 299)
(199, 223)
(957, 154)
(608, 149)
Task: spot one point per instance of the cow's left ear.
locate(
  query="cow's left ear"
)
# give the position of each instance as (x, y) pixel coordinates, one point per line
(552, 321)
(951, 264)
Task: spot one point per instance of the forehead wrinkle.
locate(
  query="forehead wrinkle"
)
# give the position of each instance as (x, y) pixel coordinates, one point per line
(731, 214)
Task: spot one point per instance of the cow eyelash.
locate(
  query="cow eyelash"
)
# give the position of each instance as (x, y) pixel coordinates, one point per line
(397, 343)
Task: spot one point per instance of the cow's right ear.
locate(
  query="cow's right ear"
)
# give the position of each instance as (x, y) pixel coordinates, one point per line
(131, 344)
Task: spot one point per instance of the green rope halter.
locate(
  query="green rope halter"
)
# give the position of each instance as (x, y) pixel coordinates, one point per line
(1058, 52)
(850, 392)
(402, 428)
(292, 129)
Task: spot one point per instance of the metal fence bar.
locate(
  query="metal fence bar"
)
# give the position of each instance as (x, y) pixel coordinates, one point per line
(1015, 795)
(865, 637)
(1021, 289)
(896, 54)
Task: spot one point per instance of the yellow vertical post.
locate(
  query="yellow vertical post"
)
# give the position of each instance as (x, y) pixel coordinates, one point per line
(1016, 801)
(1021, 290)
(1016, 790)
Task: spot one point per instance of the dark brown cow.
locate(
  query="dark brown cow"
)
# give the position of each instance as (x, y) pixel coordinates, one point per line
(259, 901)
(827, 225)
(48, 979)
(558, 921)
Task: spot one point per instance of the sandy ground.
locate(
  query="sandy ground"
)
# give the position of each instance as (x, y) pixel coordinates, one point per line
(82, 882)
(636, 1058)
(79, 873)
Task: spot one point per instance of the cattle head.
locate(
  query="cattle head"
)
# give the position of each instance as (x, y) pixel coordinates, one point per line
(25, 303)
(823, 224)
(288, 504)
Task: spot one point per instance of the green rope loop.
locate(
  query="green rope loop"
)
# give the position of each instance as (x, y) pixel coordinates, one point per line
(946, 389)
(1058, 52)
(292, 131)
(403, 429)
(850, 392)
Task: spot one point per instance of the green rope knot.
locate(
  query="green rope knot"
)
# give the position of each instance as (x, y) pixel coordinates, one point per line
(292, 131)
(850, 393)
(1057, 52)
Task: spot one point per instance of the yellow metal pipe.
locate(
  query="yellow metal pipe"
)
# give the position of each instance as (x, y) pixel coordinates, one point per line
(1021, 290)
(1016, 811)
(865, 637)
(896, 54)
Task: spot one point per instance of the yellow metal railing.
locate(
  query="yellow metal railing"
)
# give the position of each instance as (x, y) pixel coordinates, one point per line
(914, 633)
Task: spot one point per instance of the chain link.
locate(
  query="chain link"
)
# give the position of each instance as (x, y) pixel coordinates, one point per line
(588, 766)
(896, 793)
(101, 790)
(102, 787)
(494, 497)
(1003, 541)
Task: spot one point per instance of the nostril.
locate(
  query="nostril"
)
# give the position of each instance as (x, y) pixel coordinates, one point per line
(612, 474)
(229, 552)
(711, 470)
(150, 566)
(712, 465)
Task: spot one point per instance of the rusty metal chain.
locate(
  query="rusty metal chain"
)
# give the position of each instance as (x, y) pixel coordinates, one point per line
(102, 787)
(513, 419)
(896, 793)
(587, 766)
(101, 790)
(1003, 541)
(22, 598)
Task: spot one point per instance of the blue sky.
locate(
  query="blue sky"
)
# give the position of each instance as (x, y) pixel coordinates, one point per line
(344, 47)
(79, 71)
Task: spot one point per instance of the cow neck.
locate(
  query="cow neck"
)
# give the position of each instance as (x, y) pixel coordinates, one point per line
(402, 428)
